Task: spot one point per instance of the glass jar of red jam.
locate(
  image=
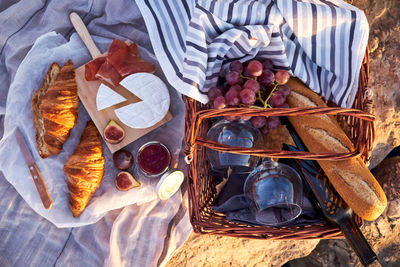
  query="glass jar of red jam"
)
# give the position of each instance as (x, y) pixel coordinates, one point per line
(153, 158)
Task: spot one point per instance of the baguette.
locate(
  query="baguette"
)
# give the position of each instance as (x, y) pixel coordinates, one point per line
(323, 134)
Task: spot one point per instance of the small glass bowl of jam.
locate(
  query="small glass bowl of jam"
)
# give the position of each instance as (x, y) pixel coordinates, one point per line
(153, 158)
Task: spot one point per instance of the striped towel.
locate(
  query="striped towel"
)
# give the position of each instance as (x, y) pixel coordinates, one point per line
(321, 42)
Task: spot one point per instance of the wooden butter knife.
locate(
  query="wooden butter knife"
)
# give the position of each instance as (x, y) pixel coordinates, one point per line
(37, 177)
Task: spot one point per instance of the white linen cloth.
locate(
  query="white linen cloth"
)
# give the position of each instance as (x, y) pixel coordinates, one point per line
(322, 42)
(51, 48)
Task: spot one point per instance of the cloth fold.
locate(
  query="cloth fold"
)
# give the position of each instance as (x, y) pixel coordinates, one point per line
(321, 42)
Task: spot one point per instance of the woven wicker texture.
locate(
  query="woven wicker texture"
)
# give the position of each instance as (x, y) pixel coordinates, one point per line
(357, 122)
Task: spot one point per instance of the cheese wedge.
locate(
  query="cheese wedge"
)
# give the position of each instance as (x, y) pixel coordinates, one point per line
(107, 97)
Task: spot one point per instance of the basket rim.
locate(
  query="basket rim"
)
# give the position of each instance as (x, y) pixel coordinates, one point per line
(199, 116)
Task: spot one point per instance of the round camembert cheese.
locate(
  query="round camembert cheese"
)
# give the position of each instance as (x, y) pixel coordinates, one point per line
(154, 105)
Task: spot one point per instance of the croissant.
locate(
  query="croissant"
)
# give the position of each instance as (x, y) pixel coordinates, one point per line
(84, 168)
(55, 109)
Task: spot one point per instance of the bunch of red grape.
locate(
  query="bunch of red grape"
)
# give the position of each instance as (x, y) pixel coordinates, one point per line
(254, 85)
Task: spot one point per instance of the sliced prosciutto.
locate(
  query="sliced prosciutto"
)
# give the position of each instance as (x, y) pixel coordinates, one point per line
(126, 46)
(115, 46)
(126, 63)
(121, 60)
(133, 49)
(108, 74)
(92, 67)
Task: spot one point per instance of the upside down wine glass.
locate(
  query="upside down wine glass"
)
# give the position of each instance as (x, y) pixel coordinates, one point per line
(238, 133)
(275, 193)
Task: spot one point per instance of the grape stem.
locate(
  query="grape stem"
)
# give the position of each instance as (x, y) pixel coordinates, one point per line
(244, 106)
(271, 94)
(259, 98)
(257, 107)
(247, 78)
(265, 102)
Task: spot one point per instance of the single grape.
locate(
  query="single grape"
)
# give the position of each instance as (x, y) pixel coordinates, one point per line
(269, 86)
(282, 76)
(236, 66)
(232, 77)
(223, 89)
(267, 90)
(277, 99)
(264, 130)
(245, 117)
(284, 105)
(255, 68)
(258, 122)
(266, 78)
(284, 89)
(232, 97)
(213, 92)
(273, 122)
(246, 72)
(219, 102)
(231, 118)
(253, 85)
(236, 87)
(267, 64)
(247, 96)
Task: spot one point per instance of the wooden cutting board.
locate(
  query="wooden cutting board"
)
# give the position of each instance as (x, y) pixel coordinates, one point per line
(87, 92)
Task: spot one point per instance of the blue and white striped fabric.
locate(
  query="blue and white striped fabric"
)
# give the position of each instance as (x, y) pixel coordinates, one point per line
(322, 42)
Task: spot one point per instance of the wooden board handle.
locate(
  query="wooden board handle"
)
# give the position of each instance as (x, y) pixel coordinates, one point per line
(84, 34)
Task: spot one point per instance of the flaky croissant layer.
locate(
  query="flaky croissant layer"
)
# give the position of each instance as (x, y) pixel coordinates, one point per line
(55, 109)
(85, 169)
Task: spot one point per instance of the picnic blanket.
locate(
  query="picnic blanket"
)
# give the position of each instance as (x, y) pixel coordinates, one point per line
(147, 230)
(192, 40)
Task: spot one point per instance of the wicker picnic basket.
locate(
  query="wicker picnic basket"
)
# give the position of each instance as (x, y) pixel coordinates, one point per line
(359, 125)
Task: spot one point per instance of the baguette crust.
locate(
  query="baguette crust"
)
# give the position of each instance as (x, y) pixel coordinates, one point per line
(322, 133)
(85, 169)
(55, 109)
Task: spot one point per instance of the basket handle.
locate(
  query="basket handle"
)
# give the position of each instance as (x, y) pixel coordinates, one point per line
(274, 153)
(198, 117)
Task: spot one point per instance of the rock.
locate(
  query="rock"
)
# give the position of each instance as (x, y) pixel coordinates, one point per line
(384, 44)
(211, 250)
(393, 211)
(382, 234)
